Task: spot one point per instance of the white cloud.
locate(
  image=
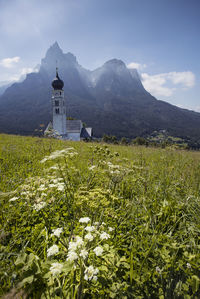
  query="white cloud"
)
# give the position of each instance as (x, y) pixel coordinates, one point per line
(158, 84)
(9, 62)
(185, 78)
(136, 65)
(22, 73)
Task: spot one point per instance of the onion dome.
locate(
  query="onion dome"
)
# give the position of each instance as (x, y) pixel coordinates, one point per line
(57, 83)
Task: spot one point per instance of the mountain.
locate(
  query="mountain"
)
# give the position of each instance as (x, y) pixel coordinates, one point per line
(111, 99)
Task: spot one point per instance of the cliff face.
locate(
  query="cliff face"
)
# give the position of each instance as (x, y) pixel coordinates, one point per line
(111, 99)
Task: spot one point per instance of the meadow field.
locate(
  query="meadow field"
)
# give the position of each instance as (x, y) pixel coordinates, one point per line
(89, 220)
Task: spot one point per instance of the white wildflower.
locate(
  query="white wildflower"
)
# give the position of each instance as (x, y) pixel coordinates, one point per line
(52, 185)
(79, 241)
(92, 167)
(94, 278)
(188, 266)
(52, 250)
(43, 194)
(39, 206)
(104, 236)
(84, 253)
(54, 167)
(89, 237)
(115, 172)
(72, 246)
(58, 154)
(72, 256)
(41, 187)
(57, 180)
(61, 186)
(56, 268)
(84, 220)
(89, 228)
(110, 229)
(98, 250)
(13, 198)
(57, 232)
(158, 270)
(91, 273)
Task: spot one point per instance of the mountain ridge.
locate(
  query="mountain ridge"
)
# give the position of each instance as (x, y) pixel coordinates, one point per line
(111, 99)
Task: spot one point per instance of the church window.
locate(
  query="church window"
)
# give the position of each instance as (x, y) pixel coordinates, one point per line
(56, 103)
(57, 110)
(60, 92)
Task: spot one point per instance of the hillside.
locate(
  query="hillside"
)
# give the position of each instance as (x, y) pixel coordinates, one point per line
(117, 221)
(111, 99)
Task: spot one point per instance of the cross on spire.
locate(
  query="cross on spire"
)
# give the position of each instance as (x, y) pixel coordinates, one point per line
(56, 68)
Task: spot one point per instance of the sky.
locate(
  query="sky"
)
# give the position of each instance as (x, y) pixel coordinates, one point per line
(161, 38)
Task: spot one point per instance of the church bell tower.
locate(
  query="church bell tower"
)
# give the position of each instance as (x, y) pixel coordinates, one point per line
(59, 107)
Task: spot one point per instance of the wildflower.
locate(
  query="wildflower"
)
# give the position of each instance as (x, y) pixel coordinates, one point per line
(92, 167)
(61, 186)
(158, 270)
(115, 172)
(57, 180)
(13, 198)
(52, 250)
(90, 273)
(188, 265)
(79, 241)
(84, 253)
(104, 236)
(89, 237)
(84, 220)
(98, 250)
(54, 167)
(72, 246)
(42, 187)
(57, 232)
(39, 206)
(56, 268)
(89, 228)
(72, 256)
(52, 185)
(110, 229)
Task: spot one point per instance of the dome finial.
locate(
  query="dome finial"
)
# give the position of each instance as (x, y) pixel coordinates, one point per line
(57, 83)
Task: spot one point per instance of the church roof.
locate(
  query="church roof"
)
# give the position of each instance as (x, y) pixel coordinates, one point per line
(74, 126)
(86, 133)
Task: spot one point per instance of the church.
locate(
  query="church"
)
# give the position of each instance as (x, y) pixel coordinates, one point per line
(66, 128)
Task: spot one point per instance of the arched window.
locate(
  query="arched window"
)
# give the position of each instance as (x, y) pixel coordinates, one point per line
(57, 110)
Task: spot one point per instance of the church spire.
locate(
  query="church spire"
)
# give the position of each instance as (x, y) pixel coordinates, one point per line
(57, 83)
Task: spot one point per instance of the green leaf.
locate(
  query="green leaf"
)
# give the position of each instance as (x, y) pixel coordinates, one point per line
(195, 283)
(28, 280)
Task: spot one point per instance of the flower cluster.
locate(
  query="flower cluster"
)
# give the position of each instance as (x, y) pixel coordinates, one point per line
(56, 268)
(91, 273)
(83, 247)
(52, 250)
(39, 206)
(57, 232)
(67, 152)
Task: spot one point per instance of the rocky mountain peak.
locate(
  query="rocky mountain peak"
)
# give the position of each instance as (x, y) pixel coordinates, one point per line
(115, 63)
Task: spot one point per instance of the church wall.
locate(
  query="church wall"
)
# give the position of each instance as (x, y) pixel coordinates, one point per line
(73, 136)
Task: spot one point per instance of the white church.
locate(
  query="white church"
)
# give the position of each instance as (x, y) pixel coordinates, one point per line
(67, 129)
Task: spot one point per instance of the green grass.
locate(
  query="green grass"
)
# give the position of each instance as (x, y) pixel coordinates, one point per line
(148, 196)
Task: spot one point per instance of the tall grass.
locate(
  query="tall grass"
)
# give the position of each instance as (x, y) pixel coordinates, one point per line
(142, 236)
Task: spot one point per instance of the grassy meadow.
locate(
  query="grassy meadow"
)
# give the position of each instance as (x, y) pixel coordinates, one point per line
(89, 220)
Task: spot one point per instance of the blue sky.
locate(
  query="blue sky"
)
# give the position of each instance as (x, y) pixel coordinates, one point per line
(159, 37)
